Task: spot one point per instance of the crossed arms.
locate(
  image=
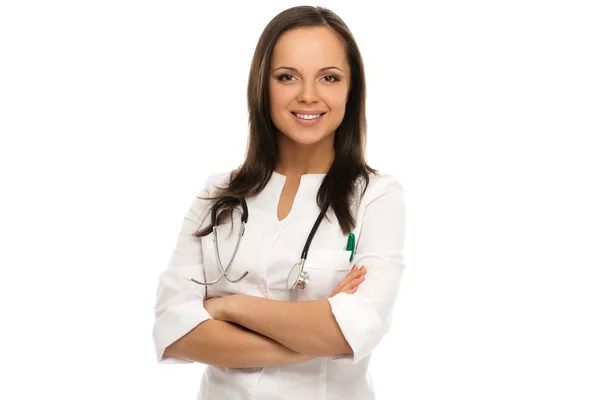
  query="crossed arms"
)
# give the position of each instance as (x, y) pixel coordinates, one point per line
(241, 331)
(277, 333)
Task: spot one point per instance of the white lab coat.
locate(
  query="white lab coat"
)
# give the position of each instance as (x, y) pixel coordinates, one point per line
(268, 250)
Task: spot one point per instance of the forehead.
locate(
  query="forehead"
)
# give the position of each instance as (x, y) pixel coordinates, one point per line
(309, 48)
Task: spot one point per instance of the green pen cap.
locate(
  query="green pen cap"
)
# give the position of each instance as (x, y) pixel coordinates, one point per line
(351, 244)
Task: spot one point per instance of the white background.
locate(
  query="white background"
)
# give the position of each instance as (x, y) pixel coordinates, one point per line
(113, 113)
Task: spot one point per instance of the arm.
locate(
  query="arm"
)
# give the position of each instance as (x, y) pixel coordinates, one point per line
(223, 344)
(351, 325)
(221, 309)
(366, 317)
(184, 331)
(307, 327)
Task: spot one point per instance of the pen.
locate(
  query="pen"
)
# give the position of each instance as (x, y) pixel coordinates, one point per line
(350, 245)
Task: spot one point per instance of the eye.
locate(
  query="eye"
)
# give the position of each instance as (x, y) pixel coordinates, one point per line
(285, 77)
(331, 78)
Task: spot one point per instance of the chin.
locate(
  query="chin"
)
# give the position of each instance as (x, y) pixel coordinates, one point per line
(306, 139)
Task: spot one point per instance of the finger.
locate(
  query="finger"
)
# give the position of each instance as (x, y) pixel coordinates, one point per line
(351, 287)
(355, 282)
(352, 284)
(355, 271)
(352, 275)
(346, 283)
(351, 290)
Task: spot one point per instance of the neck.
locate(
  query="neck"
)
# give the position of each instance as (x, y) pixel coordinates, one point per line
(295, 159)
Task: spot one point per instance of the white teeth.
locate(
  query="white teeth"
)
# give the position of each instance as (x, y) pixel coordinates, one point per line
(307, 116)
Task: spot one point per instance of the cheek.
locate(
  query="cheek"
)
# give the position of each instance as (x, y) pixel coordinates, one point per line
(276, 109)
(337, 108)
(275, 99)
(280, 96)
(336, 99)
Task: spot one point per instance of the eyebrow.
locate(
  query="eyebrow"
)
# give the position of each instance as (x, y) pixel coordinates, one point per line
(320, 70)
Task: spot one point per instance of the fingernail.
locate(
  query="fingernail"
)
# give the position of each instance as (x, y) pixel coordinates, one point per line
(354, 268)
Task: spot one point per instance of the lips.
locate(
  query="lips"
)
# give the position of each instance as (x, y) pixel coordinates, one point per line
(308, 119)
(308, 115)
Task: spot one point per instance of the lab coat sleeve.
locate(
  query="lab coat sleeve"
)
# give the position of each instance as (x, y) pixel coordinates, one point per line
(364, 317)
(179, 301)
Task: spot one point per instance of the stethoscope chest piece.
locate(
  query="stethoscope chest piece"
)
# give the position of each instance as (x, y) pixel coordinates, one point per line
(298, 276)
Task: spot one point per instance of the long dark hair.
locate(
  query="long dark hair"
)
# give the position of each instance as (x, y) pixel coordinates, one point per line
(338, 186)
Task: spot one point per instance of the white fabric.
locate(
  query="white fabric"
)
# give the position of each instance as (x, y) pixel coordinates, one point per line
(268, 250)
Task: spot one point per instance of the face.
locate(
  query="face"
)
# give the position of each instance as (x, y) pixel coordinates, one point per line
(308, 85)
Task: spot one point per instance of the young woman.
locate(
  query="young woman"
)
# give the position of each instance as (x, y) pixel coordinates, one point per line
(294, 315)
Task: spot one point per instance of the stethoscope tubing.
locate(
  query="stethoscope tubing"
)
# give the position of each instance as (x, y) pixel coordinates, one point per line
(244, 218)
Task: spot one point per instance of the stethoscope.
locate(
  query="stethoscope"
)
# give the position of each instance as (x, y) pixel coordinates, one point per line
(298, 277)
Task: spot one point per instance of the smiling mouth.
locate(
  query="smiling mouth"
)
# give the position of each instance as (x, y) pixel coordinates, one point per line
(308, 117)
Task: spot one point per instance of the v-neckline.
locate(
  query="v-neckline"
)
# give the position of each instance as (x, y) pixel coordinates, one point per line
(305, 181)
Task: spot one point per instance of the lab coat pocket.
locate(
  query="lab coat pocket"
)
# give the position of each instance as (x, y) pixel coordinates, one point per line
(336, 260)
(326, 268)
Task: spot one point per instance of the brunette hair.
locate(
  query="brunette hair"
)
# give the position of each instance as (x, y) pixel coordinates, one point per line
(338, 186)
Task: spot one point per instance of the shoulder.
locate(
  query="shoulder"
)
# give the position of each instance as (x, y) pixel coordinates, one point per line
(202, 201)
(216, 181)
(381, 184)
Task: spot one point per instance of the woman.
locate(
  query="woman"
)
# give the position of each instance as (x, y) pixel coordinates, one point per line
(264, 329)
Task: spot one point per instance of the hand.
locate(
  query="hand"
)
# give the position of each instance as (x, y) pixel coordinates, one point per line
(350, 283)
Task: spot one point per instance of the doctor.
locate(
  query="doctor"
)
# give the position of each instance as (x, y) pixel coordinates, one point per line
(287, 310)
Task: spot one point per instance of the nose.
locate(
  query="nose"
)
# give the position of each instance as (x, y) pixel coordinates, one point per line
(308, 93)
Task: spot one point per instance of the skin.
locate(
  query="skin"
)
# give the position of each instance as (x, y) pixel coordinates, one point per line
(307, 149)
(308, 328)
